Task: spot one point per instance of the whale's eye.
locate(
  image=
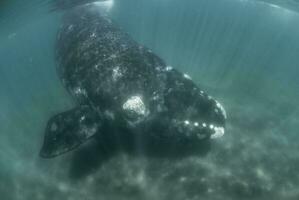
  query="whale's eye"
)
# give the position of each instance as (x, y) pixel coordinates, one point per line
(135, 108)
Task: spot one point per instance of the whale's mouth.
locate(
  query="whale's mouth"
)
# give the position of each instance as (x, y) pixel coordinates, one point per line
(199, 130)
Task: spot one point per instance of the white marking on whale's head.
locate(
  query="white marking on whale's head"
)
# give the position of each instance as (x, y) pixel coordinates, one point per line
(187, 76)
(186, 122)
(219, 132)
(168, 68)
(135, 106)
(221, 109)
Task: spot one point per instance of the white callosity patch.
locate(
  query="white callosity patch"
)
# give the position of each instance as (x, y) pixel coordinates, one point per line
(219, 132)
(187, 76)
(169, 68)
(186, 122)
(221, 109)
(196, 128)
(135, 105)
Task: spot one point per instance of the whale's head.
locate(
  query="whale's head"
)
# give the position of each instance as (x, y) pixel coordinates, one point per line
(188, 111)
(199, 117)
(180, 110)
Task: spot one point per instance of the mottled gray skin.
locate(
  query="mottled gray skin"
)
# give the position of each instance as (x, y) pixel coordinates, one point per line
(126, 95)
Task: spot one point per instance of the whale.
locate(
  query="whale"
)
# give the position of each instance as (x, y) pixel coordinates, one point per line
(126, 96)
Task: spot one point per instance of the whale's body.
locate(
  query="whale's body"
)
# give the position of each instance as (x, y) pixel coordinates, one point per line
(126, 95)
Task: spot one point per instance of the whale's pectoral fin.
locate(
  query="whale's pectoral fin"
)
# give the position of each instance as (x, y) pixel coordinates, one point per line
(68, 130)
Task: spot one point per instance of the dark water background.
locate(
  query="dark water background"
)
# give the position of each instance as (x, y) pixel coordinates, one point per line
(245, 53)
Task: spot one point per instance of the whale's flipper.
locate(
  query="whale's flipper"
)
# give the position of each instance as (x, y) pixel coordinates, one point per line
(68, 130)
